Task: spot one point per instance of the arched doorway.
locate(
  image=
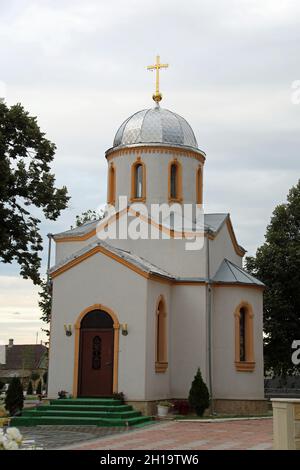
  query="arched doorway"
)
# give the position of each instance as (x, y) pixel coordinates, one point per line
(96, 354)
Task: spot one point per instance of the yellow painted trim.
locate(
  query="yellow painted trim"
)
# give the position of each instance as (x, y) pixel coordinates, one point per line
(245, 366)
(73, 238)
(154, 149)
(249, 364)
(178, 165)
(133, 197)
(161, 367)
(239, 251)
(199, 185)
(116, 327)
(161, 364)
(173, 234)
(98, 249)
(111, 185)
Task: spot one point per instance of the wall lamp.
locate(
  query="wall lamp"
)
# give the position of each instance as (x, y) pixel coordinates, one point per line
(68, 330)
(124, 329)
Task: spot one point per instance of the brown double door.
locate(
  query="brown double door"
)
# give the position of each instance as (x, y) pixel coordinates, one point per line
(96, 355)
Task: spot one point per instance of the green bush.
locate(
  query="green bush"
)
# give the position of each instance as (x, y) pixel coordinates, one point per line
(14, 399)
(39, 387)
(29, 388)
(199, 395)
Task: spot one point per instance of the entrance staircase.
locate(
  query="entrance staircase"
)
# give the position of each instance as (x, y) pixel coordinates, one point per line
(83, 412)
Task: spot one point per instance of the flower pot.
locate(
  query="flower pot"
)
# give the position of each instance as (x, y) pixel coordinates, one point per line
(162, 411)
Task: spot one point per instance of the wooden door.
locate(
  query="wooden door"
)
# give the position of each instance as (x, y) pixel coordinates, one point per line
(96, 356)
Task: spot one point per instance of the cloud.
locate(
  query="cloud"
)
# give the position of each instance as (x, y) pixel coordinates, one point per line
(80, 67)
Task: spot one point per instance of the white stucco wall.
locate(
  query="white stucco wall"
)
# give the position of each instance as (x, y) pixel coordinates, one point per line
(157, 384)
(99, 279)
(227, 382)
(188, 337)
(157, 175)
(221, 247)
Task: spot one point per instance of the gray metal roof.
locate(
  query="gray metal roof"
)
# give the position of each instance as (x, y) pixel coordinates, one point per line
(137, 261)
(155, 125)
(78, 231)
(212, 222)
(230, 273)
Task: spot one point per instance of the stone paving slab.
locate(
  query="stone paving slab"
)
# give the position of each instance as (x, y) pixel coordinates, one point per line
(52, 437)
(231, 435)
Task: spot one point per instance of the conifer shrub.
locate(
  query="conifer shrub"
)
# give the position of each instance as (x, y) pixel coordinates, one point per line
(14, 400)
(199, 394)
(39, 387)
(29, 388)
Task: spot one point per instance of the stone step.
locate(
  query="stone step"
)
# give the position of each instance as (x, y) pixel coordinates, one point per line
(79, 413)
(77, 421)
(73, 407)
(87, 401)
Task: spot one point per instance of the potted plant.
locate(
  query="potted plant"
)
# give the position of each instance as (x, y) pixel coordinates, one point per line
(163, 408)
(62, 394)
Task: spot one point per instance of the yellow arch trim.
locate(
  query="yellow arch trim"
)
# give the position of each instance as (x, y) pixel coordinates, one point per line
(249, 364)
(199, 185)
(161, 366)
(133, 197)
(175, 162)
(116, 327)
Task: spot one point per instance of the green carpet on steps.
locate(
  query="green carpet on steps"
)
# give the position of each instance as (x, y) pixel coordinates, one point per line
(82, 411)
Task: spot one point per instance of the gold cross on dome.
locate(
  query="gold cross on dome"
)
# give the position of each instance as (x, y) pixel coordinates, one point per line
(157, 95)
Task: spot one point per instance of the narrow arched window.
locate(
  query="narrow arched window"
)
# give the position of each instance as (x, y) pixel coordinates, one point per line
(175, 181)
(161, 362)
(111, 185)
(242, 334)
(244, 347)
(199, 186)
(138, 181)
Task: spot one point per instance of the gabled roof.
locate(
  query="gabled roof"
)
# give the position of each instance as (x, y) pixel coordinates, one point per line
(230, 273)
(24, 356)
(212, 222)
(120, 255)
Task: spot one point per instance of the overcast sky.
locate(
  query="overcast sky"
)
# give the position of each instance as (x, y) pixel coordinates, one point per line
(79, 66)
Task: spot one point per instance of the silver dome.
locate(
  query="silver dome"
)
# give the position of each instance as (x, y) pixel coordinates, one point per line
(155, 125)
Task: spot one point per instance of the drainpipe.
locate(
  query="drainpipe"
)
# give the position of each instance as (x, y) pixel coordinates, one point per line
(209, 322)
(49, 235)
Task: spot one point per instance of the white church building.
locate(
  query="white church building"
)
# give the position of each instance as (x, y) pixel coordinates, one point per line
(139, 315)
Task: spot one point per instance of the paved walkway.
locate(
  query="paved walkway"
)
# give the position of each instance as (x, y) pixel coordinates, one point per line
(52, 437)
(176, 435)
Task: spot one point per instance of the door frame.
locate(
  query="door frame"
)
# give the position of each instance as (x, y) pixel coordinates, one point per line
(116, 328)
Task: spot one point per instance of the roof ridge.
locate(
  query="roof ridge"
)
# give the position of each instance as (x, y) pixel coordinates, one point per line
(228, 264)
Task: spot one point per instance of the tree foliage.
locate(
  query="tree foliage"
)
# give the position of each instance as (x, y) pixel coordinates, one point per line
(277, 264)
(88, 216)
(14, 400)
(45, 293)
(26, 186)
(45, 303)
(199, 394)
